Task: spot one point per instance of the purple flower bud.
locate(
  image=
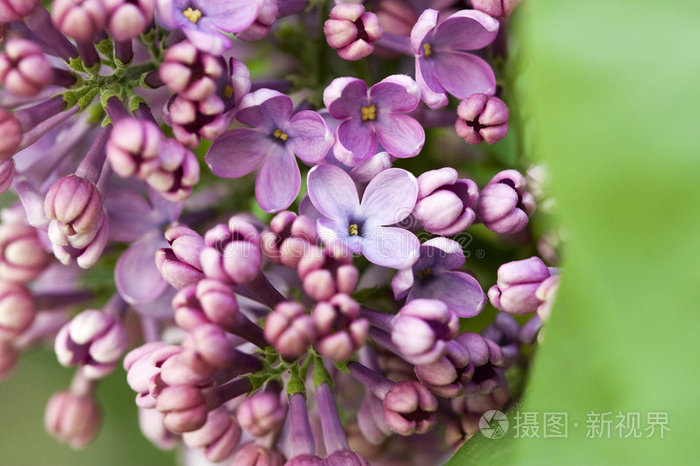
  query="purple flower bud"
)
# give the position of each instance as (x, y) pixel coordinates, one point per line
(487, 357)
(253, 454)
(72, 418)
(305, 460)
(128, 18)
(94, 339)
(446, 376)
(346, 458)
(262, 413)
(504, 206)
(289, 329)
(24, 69)
(79, 19)
(22, 255)
(504, 331)
(17, 309)
(339, 328)
(195, 119)
(218, 437)
(151, 424)
(409, 408)
(232, 252)
(184, 367)
(133, 147)
(76, 205)
(396, 17)
(328, 271)
(209, 302)
(142, 365)
(180, 265)
(546, 293)
(15, 10)
(184, 407)
(212, 345)
(421, 330)
(482, 118)
(191, 72)
(496, 8)
(479, 403)
(352, 31)
(8, 359)
(445, 203)
(263, 23)
(289, 238)
(518, 281)
(85, 248)
(10, 134)
(7, 171)
(176, 173)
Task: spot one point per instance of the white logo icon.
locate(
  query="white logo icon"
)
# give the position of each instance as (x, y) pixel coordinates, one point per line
(493, 424)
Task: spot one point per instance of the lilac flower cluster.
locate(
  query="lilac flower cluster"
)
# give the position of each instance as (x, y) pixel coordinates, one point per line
(267, 330)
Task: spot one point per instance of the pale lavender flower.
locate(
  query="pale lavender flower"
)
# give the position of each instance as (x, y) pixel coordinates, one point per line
(377, 114)
(436, 276)
(442, 66)
(365, 227)
(271, 144)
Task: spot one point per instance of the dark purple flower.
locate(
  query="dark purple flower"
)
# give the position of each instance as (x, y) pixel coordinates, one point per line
(205, 22)
(482, 118)
(442, 66)
(271, 144)
(365, 227)
(375, 114)
(352, 31)
(435, 276)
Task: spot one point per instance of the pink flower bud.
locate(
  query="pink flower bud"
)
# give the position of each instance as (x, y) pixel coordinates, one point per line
(218, 437)
(263, 23)
(24, 69)
(72, 418)
(289, 329)
(7, 172)
(195, 119)
(10, 134)
(75, 203)
(409, 408)
(496, 8)
(482, 118)
(133, 147)
(328, 271)
(232, 253)
(517, 285)
(22, 255)
(143, 366)
(339, 329)
(180, 265)
(252, 454)
(504, 205)
(128, 18)
(212, 345)
(8, 359)
(421, 330)
(446, 376)
(445, 203)
(352, 31)
(151, 424)
(176, 171)
(184, 408)
(191, 72)
(262, 413)
(15, 10)
(79, 19)
(289, 238)
(16, 309)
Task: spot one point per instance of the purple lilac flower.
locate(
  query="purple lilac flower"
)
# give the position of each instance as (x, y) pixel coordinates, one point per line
(271, 144)
(436, 276)
(377, 114)
(365, 226)
(205, 22)
(442, 66)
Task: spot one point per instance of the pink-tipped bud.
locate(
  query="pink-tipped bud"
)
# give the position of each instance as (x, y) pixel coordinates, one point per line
(396, 17)
(352, 31)
(24, 69)
(72, 418)
(496, 8)
(133, 147)
(515, 291)
(75, 203)
(547, 292)
(193, 73)
(446, 376)
(7, 173)
(151, 424)
(94, 339)
(289, 238)
(15, 10)
(10, 134)
(504, 205)
(346, 458)
(180, 265)
(142, 367)
(327, 272)
(339, 328)
(252, 454)
(409, 408)
(289, 329)
(195, 119)
(212, 345)
(232, 253)
(482, 118)
(209, 302)
(445, 203)
(22, 255)
(128, 18)
(218, 437)
(184, 408)
(487, 358)
(262, 413)
(17, 311)
(79, 19)
(263, 23)
(176, 171)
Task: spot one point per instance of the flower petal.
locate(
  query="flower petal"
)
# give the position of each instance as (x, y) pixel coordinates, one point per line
(389, 197)
(208, 40)
(355, 141)
(310, 139)
(465, 30)
(396, 93)
(460, 291)
(425, 24)
(344, 96)
(237, 152)
(391, 247)
(265, 109)
(230, 15)
(278, 181)
(130, 216)
(445, 252)
(333, 192)
(136, 275)
(432, 92)
(400, 135)
(463, 74)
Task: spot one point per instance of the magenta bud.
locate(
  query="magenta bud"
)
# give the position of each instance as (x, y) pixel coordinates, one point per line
(184, 408)
(185, 367)
(195, 119)
(421, 330)
(327, 272)
(176, 172)
(409, 408)
(516, 288)
(128, 18)
(133, 147)
(305, 459)
(142, 364)
(446, 376)
(263, 23)
(481, 117)
(496, 8)
(94, 339)
(339, 328)
(72, 418)
(179, 265)
(445, 203)
(352, 31)
(8, 359)
(218, 437)
(289, 238)
(75, 203)
(10, 134)
(212, 345)
(17, 309)
(188, 71)
(262, 413)
(232, 252)
(7, 172)
(504, 205)
(253, 454)
(546, 293)
(346, 458)
(151, 424)
(79, 19)
(22, 255)
(15, 10)
(24, 69)
(289, 329)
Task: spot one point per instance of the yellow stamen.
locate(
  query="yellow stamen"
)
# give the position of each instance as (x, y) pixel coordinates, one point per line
(369, 113)
(427, 50)
(352, 229)
(280, 135)
(228, 92)
(192, 15)
(425, 272)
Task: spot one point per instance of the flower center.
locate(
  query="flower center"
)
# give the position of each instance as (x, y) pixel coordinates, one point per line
(353, 230)
(369, 113)
(424, 273)
(192, 15)
(427, 50)
(279, 134)
(228, 92)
